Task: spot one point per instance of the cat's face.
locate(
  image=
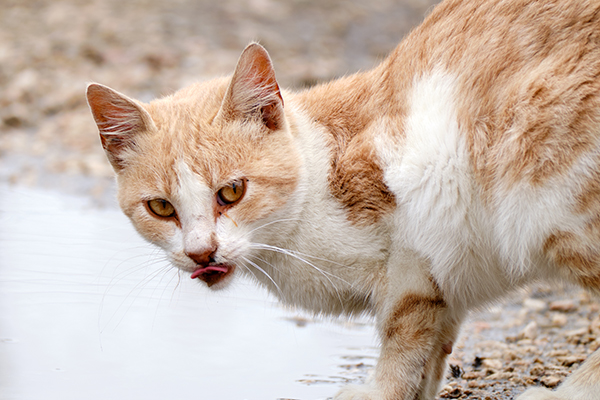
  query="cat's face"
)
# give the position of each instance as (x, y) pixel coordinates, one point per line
(198, 172)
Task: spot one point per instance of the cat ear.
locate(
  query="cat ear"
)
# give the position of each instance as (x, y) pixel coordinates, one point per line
(119, 119)
(253, 91)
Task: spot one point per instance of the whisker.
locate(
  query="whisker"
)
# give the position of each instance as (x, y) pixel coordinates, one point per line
(299, 256)
(137, 288)
(166, 286)
(308, 256)
(271, 223)
(266, 274)
(296, 256)
(250, 271)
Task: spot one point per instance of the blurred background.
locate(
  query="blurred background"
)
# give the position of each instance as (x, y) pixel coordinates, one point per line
(50, 50)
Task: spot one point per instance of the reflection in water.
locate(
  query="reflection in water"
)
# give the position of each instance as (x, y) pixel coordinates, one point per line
(90, 311)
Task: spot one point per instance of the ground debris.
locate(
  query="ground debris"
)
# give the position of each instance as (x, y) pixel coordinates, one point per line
(544, 341)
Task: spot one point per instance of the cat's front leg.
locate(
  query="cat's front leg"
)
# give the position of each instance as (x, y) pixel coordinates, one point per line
(409, 335)
(437, 365)
(411, 322)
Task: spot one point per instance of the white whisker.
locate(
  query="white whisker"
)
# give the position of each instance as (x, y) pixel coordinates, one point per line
(299, 256)
(136, 288)
(295, 255)
(266, 274)
(271, 223)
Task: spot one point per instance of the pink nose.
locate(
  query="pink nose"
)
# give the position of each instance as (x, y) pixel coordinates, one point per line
(203, 258)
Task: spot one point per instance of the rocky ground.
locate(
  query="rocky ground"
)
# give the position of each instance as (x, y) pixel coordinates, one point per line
(537, 338)
(49, 50)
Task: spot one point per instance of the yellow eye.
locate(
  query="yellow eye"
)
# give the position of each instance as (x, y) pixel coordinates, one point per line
(231, 193)
(161, 208)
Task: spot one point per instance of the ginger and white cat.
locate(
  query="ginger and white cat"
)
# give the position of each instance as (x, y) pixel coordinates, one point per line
(463, 167)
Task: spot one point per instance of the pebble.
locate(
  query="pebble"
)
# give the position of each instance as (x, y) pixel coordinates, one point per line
(570, 360)
(576, 332)
(492, 364)
(559, 320)
(534, 304)
(530, 331)
(563, 306)
(550, 381)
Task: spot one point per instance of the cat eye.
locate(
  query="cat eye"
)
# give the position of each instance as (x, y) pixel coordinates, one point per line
(231, 193)
(161, 208)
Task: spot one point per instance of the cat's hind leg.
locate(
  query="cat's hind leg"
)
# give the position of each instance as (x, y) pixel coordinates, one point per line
(584, 384)
(577, 257)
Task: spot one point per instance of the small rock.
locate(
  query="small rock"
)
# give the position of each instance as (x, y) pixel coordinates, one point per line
(510, 355)
(454, 394)
(576, 332)
(530, 331)
(537, 371)
(492, 364)
(563, 306)
(550, 381)
(534, 304)
(469, 376)
(570, 360)
(558, 353)
(477, 384)
(456, 371)
(500, 376)
(559, 320)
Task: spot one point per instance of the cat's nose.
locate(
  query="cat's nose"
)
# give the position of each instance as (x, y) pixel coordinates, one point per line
(202, 258)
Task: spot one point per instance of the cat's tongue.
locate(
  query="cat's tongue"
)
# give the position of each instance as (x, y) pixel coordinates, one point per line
(211, 274)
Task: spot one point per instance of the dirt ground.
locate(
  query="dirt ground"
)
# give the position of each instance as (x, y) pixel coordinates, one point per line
(50, 50)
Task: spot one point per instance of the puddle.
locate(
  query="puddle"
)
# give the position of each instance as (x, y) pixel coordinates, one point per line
(88, 310)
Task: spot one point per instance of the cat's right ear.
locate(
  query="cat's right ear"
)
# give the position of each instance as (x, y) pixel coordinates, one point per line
(119, 120)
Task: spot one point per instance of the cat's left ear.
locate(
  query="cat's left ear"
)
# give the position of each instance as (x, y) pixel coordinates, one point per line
(253, 91)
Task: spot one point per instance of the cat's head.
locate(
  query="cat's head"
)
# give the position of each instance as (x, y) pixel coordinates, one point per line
(199, 172)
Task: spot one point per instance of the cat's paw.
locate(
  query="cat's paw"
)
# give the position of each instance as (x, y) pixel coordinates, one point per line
(359, 392)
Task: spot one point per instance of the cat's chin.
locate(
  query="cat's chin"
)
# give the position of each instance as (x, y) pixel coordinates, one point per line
(214, 274)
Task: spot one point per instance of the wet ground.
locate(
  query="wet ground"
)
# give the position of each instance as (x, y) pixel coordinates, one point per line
(88, 310)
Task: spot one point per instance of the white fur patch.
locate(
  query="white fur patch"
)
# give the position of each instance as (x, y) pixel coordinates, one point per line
(477, 252)
(199, 228)
(195, 208)
(439, 213)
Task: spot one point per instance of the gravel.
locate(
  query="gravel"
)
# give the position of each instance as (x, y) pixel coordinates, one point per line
(149, 48)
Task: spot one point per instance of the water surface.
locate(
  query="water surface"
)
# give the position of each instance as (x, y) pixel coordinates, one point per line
(88, 310)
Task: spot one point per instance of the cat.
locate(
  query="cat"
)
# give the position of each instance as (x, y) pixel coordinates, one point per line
(463, 167)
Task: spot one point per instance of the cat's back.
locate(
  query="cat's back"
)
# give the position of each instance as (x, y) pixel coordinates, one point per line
(526, 79)
(498, 146)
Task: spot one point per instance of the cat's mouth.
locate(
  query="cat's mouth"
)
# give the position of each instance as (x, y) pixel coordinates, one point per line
(212, 274)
